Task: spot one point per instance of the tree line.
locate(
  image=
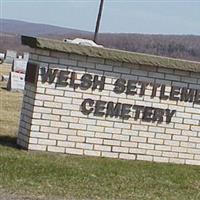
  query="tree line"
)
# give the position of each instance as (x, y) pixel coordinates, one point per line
(175, 46)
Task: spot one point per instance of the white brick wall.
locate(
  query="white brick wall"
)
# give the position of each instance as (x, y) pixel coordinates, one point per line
(51, 119)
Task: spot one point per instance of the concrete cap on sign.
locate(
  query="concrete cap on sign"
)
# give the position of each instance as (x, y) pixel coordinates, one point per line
(111, 54)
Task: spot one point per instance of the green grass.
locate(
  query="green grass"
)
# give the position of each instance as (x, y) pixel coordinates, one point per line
(77, 177)
(95, 178)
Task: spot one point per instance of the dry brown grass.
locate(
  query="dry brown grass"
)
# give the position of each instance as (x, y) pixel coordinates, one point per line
(5, 69)
(10, 106)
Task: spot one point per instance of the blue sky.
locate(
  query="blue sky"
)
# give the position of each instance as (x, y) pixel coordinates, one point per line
(141, 16)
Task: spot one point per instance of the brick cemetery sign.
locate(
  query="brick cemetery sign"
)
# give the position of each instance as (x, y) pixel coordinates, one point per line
(110, 103)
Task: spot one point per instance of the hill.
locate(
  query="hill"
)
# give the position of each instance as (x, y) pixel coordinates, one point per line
(176, 46)
(33, 29)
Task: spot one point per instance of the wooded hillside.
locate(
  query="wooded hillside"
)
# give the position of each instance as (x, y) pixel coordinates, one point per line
(176, 46)
(184, 47)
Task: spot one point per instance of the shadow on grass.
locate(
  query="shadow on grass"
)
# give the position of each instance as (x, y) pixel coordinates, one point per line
(4, 88)
(8, 141)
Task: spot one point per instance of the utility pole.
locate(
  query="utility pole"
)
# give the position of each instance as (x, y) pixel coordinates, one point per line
(98, 20)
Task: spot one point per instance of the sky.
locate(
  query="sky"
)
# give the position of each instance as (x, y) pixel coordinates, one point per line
(119, 16)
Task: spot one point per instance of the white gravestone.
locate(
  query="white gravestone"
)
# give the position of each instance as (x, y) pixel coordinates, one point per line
(2, 56)
(16, 81)
(26, 56)
(10, 56)
(19, 65)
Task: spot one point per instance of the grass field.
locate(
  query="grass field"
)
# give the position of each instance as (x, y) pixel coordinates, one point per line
(73, 177)
(10, 105)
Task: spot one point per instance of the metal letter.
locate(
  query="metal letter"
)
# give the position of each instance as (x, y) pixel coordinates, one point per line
(119, 86)
(187, 95)
(72, 80)
(84, 110)
(113, 110)
(86, 81)
(125, 110)
(169, 115)
(175, 90)
(143, 87)
(99, 83)
(158, 115)
(99, 108)
(147, 114)
(162, 93)
(137, 111)
(48, 75)
(197, 97)
(131, 87)
(63, 77)
(154, 90)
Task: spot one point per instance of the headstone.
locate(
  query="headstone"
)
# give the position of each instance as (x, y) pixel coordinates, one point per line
(16, 81)
(19, 65)
(2, 56)
(10, 56)
(26, 56)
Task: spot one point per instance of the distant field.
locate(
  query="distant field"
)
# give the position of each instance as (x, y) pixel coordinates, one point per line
(38, 175)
